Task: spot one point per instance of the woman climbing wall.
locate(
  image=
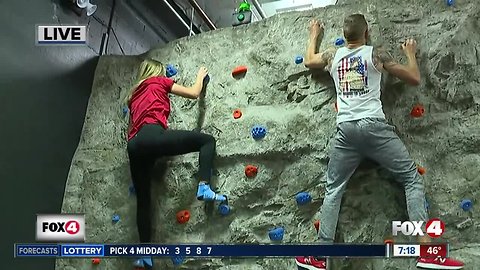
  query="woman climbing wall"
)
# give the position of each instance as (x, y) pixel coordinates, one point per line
(149, 138)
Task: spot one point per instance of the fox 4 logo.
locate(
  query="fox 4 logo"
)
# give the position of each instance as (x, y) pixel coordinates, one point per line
(70, 227)
(433, 228)
(60, 227)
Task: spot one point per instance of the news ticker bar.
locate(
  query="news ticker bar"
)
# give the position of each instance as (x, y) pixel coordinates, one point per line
(158, 250)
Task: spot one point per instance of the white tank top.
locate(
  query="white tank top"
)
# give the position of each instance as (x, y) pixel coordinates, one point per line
(357, 83)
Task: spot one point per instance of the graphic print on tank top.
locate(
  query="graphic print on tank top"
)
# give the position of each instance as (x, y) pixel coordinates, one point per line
(353, 76)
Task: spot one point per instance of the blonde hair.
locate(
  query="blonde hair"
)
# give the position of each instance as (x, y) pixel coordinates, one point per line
(148, 68)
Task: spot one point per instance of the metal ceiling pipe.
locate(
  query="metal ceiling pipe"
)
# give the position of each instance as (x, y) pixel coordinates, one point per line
(179, 17)
(259, 8)
(202, 14)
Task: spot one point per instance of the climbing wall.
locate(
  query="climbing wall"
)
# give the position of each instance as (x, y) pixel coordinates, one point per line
(293, 112)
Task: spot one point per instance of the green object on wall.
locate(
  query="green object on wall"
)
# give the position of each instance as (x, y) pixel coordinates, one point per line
(245, 6)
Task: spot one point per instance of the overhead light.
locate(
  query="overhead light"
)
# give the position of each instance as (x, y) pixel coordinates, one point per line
(86, 4)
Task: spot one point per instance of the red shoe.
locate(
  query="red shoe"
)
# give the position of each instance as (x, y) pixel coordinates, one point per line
(311, 263)
(439, 263)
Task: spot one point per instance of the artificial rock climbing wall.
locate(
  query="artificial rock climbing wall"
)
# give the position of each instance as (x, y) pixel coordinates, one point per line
(297, 108)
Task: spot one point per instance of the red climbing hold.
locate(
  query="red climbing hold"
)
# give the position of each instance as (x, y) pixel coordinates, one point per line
(417, 111)
(421, 170)
(96, 261)
(183, 216)
(240, 70)
(388, 241)
(316, 224)
(251, 171)
(237, 114)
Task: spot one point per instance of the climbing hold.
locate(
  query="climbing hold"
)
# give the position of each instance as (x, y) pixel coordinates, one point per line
(170, 71)
(466, 205)
(115, 218)
(251, 171)
(298, 60)
(183, 216)
(240, 70)
(388, 241)
(125, 111)
(206, 80)
(339, 42)
(241, 17)
(177, 260)
(259, 132)
(276, 234)
(224, 209)
(421, 170)
(336, 106)
(417, 111)
(450, 2)
(244, 6)
(316, 224)
(303, 198)
(96, 261)
(131, 190)
(237, 114)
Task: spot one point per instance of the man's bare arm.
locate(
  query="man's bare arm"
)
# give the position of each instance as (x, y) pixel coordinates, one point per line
(321, 60)
(312, 58)
(409, 73)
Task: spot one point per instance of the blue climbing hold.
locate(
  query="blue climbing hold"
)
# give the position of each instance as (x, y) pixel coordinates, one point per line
(115, 218)
(206, 80)
(177, 260)
(339, 42)
(125, 111)
(298, 60)
(303, 198)
(466, 205)
(450, 2)
(259, 132)
(171, 71)
(224, 209)
(276, 234)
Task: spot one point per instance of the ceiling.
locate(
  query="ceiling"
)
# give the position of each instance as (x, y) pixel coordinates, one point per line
(221, 12)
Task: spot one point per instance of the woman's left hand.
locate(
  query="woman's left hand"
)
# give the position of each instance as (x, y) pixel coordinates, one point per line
(202, 73)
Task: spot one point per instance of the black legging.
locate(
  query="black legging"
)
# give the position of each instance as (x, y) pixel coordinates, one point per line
(152, 142)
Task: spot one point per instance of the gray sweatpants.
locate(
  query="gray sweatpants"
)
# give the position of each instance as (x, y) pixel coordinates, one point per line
(375, 139)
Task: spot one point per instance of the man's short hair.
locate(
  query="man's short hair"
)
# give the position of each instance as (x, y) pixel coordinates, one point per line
(354, 27)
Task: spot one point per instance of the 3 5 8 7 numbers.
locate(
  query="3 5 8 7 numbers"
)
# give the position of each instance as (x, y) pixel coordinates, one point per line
(193, 251)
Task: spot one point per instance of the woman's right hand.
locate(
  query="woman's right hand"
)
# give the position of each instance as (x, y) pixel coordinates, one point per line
(202, 73)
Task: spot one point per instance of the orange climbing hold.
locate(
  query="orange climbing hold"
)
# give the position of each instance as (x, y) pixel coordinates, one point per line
(417, 111)
(96, 261)
(251, 171)
(316, 224)
(240, 70)
(421, 170)
(183, 216)
(237, 114)
(336, 107)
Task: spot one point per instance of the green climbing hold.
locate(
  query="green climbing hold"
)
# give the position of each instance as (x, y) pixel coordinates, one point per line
(241, 17)
(244, 6)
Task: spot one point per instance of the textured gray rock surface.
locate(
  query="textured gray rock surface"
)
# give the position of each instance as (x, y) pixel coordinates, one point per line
(297, 108)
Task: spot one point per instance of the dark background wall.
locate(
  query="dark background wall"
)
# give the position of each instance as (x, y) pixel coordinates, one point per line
(44, 93)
